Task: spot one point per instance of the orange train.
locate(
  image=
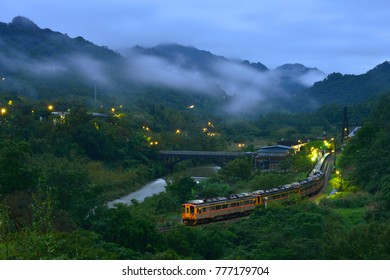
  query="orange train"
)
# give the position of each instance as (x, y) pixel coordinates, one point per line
(202, 211)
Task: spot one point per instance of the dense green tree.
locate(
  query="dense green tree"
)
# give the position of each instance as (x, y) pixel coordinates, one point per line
(17, 170)
(124, 227)
(183, 189)
(241, 168)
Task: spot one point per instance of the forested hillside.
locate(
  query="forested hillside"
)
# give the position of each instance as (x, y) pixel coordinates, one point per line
(349, 89)
(80, 125)
(366, 159)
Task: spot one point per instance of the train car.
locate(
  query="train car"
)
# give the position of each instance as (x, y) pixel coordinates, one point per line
(219, 208)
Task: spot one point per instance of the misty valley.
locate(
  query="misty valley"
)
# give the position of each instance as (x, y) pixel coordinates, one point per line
(83, 126)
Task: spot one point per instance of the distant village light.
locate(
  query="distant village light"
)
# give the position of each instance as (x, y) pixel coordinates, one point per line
(50, 107)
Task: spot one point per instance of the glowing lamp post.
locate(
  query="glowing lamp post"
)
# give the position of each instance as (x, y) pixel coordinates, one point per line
(340, 178)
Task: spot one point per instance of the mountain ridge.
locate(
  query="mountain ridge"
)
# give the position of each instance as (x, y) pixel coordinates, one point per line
(42, 63)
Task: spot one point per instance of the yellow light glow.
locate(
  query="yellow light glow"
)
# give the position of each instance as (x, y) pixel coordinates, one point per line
(50, 107)
(191, 107)
(120, 115)
(10, 102)
(178, 131)
(153, 143)
(113, 110)
(3, 111)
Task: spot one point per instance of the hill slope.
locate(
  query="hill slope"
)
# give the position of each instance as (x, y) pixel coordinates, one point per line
(350, 89)
(42, 63)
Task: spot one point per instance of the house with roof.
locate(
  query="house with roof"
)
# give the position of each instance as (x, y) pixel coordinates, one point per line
(269, 157)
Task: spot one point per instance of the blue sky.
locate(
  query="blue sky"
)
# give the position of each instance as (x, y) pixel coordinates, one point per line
(344, 36)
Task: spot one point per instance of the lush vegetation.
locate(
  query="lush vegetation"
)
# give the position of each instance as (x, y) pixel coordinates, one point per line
(58, 171)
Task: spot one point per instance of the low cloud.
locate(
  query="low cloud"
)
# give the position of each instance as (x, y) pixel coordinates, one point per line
(153, 70)
(248, 88)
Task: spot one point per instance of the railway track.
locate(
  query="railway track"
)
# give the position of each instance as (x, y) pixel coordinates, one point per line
(327, 169)
(326, 166)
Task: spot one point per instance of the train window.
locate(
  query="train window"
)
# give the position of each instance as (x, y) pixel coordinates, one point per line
(213, 208)
(224, 206)
(183, 209)
(192, 209)
(218, 207)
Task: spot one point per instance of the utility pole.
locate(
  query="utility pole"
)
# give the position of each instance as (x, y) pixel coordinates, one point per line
(345, 128)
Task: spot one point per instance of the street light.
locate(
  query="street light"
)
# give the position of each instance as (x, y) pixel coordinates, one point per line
(340, 178)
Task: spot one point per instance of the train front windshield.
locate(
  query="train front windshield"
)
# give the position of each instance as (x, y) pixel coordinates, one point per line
(188, 209)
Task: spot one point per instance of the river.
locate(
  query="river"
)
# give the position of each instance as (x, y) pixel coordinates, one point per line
(197, 173)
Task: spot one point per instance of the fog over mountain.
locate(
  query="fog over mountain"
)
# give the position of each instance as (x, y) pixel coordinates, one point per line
(39, 61)
(248, 84)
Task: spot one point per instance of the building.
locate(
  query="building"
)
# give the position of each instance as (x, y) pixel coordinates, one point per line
(295, 144)
(269, 157)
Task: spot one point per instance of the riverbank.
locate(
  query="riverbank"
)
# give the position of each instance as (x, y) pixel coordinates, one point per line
(157, 186)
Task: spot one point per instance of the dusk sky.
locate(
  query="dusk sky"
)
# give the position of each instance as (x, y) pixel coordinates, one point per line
(347, 36)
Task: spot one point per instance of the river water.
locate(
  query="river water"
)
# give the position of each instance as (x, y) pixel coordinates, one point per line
(197, 173)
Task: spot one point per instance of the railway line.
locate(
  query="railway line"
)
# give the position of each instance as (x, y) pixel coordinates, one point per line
(325, 166)
(202, 211)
